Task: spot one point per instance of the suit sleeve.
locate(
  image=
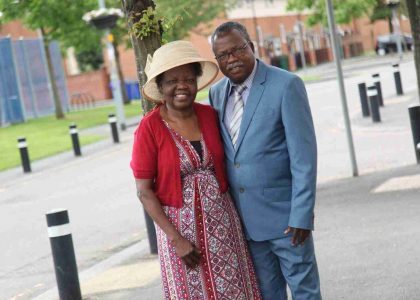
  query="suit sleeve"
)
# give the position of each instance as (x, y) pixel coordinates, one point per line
(301, 145)
(210, 98)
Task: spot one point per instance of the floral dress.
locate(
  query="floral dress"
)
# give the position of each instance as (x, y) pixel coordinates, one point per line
(209, 219)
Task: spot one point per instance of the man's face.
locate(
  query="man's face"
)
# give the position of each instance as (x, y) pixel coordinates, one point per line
(235, 55)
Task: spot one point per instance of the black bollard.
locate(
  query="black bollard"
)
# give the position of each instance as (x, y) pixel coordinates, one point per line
(364, 100)
(75, 140)
(65, 266)
(377, 81)
(397, 79)
(414, 112)
(151, 233)
(374, 103)
(114, 129)
(24, 155)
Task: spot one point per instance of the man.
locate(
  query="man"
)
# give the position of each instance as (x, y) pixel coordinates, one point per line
(271, 160)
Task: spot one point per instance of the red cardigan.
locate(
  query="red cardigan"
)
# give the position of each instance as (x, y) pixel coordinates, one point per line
(155, 155)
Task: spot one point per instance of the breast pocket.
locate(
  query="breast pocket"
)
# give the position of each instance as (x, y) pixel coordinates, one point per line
(264, 114)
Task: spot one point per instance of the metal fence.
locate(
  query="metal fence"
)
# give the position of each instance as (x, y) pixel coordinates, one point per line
(25, 89)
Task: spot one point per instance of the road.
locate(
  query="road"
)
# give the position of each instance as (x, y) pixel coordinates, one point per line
(105, 216)
(98, 189)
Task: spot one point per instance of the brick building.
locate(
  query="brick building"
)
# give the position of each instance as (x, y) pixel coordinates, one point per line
(274, 31)
(272, 28)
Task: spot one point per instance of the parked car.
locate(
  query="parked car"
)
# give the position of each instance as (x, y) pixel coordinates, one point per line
(388, 43)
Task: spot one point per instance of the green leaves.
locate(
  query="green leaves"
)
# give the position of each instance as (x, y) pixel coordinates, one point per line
(345, 10)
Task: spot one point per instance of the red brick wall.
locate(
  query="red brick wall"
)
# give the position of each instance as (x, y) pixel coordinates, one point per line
(270, 26)
(16, 30)
(95, 84)
(128, 62)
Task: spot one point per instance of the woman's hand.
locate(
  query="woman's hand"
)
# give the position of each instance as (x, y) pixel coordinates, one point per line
(188, 252)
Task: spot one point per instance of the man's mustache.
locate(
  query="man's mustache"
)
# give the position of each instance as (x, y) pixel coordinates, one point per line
(234, 65)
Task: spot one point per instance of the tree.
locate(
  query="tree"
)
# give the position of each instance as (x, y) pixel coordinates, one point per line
(152, 23)
(381, 11)
(134, 10)
(189, 14)
(413, 8)
(57, 20)
(344, 10)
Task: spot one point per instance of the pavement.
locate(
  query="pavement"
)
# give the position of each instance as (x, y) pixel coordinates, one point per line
(367, 234)
(367, 241)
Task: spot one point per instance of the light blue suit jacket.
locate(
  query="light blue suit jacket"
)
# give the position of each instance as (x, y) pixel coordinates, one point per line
(272, 174)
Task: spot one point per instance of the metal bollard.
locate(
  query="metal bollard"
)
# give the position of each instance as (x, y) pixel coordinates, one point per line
(397, 79)
(114, 129)
(377, 81)
(151, 233)
(374, 103)
(414, 113)
(24, 155)
(65, 266)
(75, 139)
(364, 100)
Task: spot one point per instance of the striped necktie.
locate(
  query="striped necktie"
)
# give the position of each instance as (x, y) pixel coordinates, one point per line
(238, 110)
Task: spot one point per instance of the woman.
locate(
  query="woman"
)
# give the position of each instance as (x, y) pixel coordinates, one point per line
(178, 163)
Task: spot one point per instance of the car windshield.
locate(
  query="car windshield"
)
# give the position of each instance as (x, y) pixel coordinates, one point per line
(392, 38)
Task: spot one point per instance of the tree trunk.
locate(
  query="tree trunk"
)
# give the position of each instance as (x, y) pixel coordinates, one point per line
(56, 96)
(142, 47)
(132, 9)
(390, 27)
(120, 74)
(414, 15)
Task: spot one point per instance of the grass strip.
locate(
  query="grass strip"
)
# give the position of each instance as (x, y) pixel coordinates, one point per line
(47, 136)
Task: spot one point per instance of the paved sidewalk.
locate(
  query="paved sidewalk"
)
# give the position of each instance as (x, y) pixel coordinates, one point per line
(350, 66)
(367, 241)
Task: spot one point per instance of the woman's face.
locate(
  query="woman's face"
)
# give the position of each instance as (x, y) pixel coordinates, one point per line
(179, 87)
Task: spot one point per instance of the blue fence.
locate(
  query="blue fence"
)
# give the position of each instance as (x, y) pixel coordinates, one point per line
(11, 110)
(25, 87)
(133, 90)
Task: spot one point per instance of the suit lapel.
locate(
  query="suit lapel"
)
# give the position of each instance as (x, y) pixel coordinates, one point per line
(225, 130)
(254, 97)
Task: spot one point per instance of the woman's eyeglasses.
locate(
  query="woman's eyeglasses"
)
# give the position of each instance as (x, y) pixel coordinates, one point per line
(237, 52)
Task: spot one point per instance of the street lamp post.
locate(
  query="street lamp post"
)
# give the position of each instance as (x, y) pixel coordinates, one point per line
(334, 45)
(107, 22)
(258, 31)
(299, 28)
(393, 5)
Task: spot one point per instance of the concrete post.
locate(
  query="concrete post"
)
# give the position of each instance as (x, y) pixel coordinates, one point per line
(63, 255)
(414, 113)
(374, 103)
(364, 99)
(75, 139)
(397, 79)
(24, 155)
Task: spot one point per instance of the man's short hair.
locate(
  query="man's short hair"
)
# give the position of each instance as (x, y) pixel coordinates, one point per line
(229, 27)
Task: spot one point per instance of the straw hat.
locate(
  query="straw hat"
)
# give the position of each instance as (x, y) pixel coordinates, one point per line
(169, 56)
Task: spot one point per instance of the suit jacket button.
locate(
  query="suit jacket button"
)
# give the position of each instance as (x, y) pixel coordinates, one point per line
(237, 165)
(241, 190)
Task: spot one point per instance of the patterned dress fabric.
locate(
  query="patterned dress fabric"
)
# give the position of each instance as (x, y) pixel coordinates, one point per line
(209, 220)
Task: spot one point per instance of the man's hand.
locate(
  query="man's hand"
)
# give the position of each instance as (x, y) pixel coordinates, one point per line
(299, 235)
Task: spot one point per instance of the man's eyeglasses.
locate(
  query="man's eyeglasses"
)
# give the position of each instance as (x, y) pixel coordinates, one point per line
(237, 52)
